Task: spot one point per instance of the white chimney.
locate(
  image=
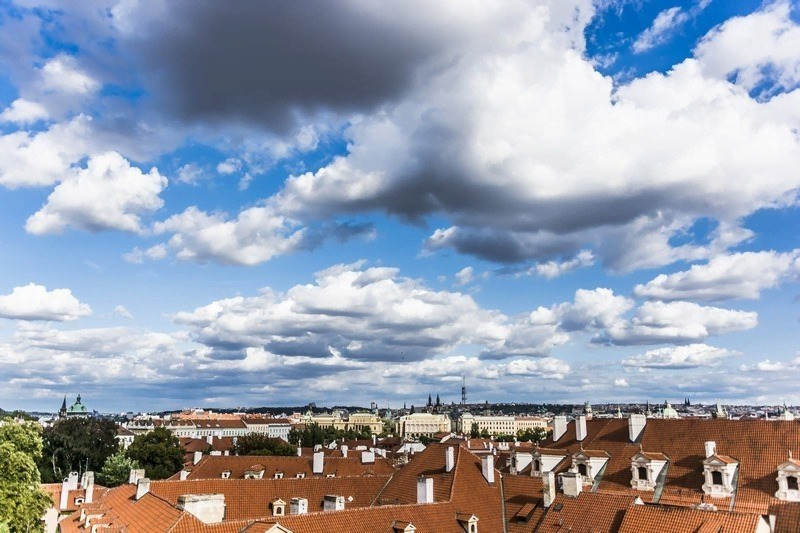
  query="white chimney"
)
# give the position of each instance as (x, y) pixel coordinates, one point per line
(184, 475)
(210, 439)
(572, 482)
(142, 487)
(343, 448)
(197, 457)
(374, 440)
(88, 486)
(449, 458)
(636, 424)
(548, 488)
(208, 508)
(299, 451)
(580, 427)
(298, 506)
(319, 463)
(425, 489)
(711, 448)
(367, 457)
(559, 427)
(487, 467)
(333, 503)
(135, 475)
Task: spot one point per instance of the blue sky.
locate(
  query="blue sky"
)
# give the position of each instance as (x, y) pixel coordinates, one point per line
(216, 204)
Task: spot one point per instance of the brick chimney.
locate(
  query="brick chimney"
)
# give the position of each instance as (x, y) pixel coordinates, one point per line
(319, 463)
(425, 489)
(142, 487)
(559, 427)
(449, 458)
(636, 425)
(572, 483)
(487, 467)
(580, 427)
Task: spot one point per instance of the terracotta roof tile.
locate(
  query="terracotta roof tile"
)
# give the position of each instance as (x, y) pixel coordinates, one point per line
(643, 518)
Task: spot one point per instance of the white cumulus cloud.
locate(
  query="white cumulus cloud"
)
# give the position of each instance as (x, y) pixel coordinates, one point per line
(688, 356)
(35, 302)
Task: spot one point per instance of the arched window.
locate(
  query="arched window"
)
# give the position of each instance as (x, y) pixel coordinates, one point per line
(537, 466)
(582, 469)
(642, 471)
(791, 482)
(716, 478)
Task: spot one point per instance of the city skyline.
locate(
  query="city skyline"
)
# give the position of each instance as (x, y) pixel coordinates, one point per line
(207, 203)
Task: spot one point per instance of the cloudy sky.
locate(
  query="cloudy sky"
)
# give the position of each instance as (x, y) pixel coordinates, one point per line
(242, 204)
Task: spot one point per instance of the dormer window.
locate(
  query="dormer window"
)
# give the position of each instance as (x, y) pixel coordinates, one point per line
(789, 481)
(719, 473)
(300, 475)
(588, 463)
(646, 468)
(79, 501)
(537, 466)
(278, 507)
(642, 473)
(582, 469)
(278, 475)
(226, 474)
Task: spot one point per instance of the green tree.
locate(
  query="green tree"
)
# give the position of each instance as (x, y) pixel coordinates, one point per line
(22, 503)
(473, 430)
(76, 445)
(116, 469)
(159, 452)
(261, 444)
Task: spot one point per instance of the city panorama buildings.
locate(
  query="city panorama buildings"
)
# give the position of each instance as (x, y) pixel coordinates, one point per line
(600, 475)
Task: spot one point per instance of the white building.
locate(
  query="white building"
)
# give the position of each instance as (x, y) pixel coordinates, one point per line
(422, 424)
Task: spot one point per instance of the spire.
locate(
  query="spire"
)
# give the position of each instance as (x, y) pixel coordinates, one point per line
(64, 403)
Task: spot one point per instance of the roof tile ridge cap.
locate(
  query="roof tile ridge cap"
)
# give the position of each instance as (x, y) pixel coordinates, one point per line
(457, 462)
(177, 520)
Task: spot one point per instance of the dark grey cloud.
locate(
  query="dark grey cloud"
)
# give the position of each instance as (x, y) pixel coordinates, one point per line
(271, 62)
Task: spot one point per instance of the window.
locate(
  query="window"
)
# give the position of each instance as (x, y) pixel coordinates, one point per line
(301, 475)
(642, 471)
(716, 478)
(278, 475)
(537, 466)
(582, 470)
(791, 482)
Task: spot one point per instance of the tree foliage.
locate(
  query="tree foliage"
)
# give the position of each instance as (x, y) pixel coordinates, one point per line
(533, 435)
(22, 503)
(159, 452)
(76, 445)
(116, 469)
(261, 444)
(314, 434)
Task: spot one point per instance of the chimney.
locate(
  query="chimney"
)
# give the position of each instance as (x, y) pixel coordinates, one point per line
(319, 463)
(135, 475)
(572, 483)
(548, 488)
(299, 451)
(64, 501)
(184, 475)
(298, 506)
(367, 457)
(559, 427)
(636, 424)
(88, 486)
(197, 457)
(487, 467)
(374, 440)
(333, 503)
(343, 448)
(580, 427)
(208, 508)
(210, 440)
(449, 458)
(142, 487)
(425, 489)
(711, 448)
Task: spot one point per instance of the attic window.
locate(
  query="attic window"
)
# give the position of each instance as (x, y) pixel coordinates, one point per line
(226, 474)
(278, 475)
(716, 478)
(80, 500)
(642, 472)
(330, 475)
(582, 469)
(300, 475)
(791, 483)
(537, 466)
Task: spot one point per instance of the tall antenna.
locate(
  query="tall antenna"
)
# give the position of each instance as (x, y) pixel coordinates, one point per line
(464, 389)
